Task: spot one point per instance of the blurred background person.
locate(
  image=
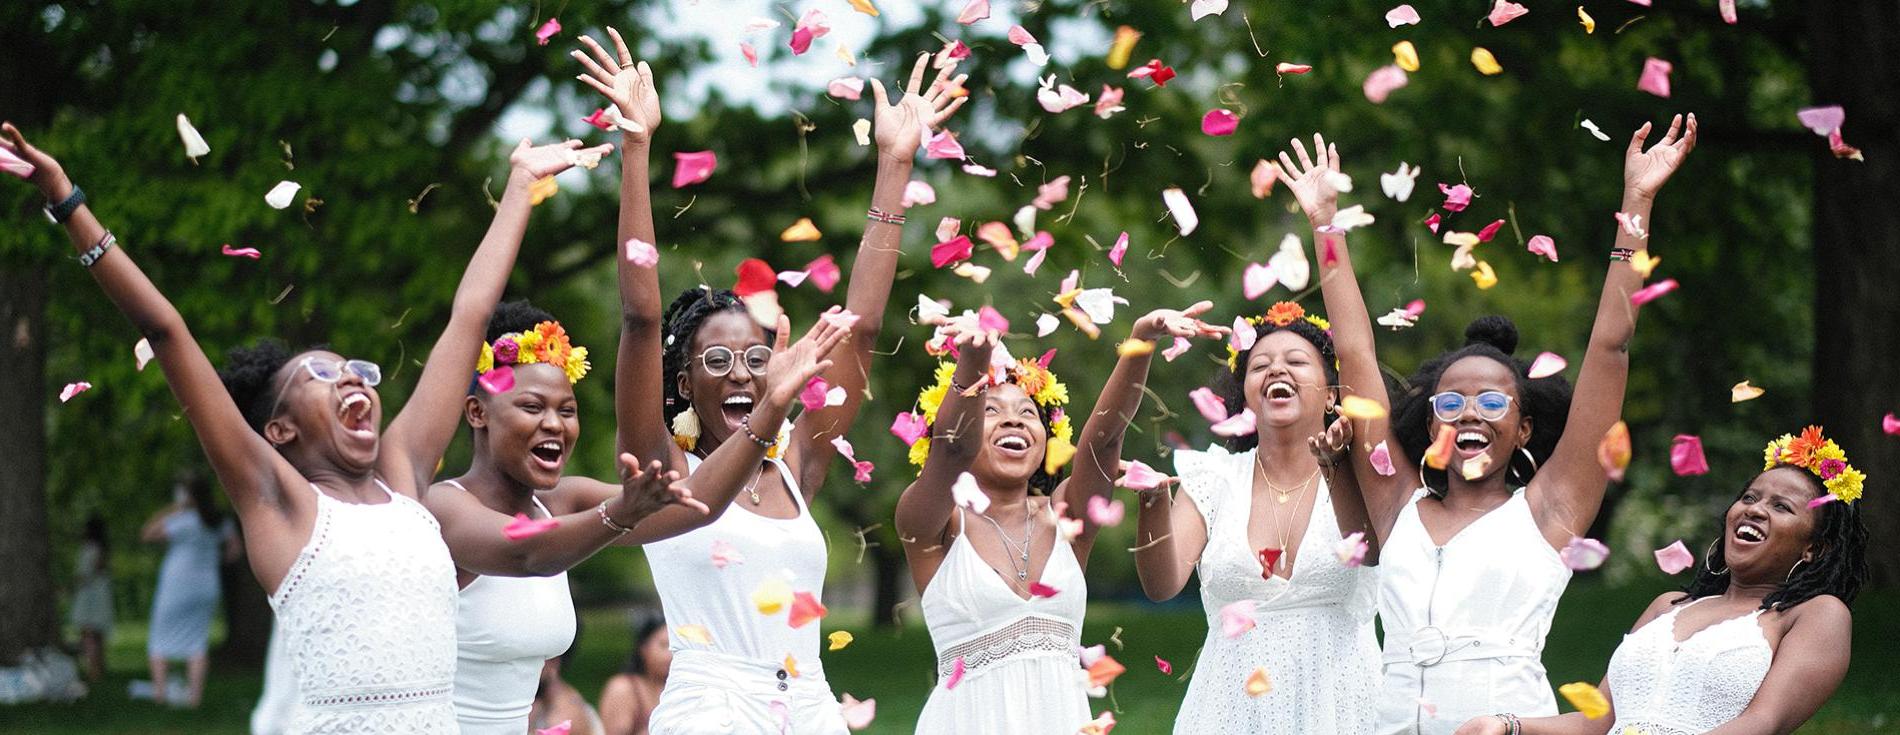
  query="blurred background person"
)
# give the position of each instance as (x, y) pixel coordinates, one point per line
(196, 537)
(630, 696)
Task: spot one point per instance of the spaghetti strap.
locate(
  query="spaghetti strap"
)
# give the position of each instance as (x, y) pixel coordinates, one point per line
(457, 484)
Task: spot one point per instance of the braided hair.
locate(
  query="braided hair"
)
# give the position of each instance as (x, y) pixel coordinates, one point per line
(1232, 384)
(682, 320)
(1839, 568)
(1546, 401)
(247, 376)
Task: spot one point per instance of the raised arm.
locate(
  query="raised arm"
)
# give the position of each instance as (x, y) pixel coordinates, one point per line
(1567, 493)
(639, 395)
(248, 468)
(421, 432)
(1099, 448)
(900, 129)
(1352, 331)
(1808, 666)
(735, 463)
(956, 436)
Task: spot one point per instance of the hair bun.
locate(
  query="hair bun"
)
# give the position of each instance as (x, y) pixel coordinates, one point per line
(1493, 330)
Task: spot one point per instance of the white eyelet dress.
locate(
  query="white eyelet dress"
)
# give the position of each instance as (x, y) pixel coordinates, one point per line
(1465, 622)
(1313, 635)
(1662, 687)
(368, 614)
(505, 629)
(1022, 672)
(741, 683)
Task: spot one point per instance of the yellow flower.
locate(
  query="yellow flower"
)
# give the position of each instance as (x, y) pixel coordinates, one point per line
(1829, 450)
(1771, 455)
(1319, 321)
(920, 451)
(530, 341)
(1052, 394)
(1064, 429)
(1847, 485)
(577, 365)
(486, 362)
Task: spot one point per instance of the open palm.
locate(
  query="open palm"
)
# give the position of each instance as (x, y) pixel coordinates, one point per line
(900, 127)
(1310, 181)
(792, 367)
(1645, 171)
(628, 85)
(547, 160)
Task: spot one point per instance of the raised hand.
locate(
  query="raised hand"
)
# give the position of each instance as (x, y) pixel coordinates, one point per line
(1184, 323)
(628, 85)
(1645, 171)
(1309, 181)
(538, 161)
(644, 492)
(47, 173)
(900, 127)
(792, 367)
(1330, 446)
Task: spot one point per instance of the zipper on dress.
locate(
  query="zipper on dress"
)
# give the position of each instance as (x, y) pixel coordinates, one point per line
(1431, 599)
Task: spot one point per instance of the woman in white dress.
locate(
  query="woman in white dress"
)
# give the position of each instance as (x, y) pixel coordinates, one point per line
(700, 390)
(362, 584)
(1264, 524)
(1469, 568)
(1761, 638)
(1001, 578)
(91, 613)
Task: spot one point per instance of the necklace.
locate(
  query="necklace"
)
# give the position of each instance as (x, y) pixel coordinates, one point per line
(753, 489)
(1282, 495)
(1272, 561)
(1010, 545)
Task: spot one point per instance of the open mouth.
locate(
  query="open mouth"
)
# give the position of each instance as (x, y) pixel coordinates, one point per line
(355, 415)
(1281, 391)
(1012, 444)
(1749, 533)
(1472, 442)
(547, 453)
(736, 407)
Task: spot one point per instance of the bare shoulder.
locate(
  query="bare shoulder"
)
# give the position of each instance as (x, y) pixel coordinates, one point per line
(1658, 606)
(1821, 610)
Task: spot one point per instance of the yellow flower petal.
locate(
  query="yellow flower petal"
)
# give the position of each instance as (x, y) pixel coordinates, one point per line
(1058, 454)
(865, 7)
(1125, 38)
(1360, 407)
(695, 634)
(839, 639)
(1589, 23)
(1258, 682)
(1135, 348)
(1486, 63)
(1644, 263)
(801, 231)
(791, 666)
(1744, 392)
(1484, 276)
(1462, 239)
(541, 189)
(1405, 55)
(1586, 699)
(772, 596)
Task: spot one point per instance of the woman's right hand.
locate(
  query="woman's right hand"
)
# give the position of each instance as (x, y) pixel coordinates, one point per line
(628, 85)
(791, 368)
(1331, 446)
(1309, 181)
(644, 492)
(47, 173)
(1483, 725)
(538, 161)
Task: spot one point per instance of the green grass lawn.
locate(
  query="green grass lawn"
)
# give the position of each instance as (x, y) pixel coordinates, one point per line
(895, 668)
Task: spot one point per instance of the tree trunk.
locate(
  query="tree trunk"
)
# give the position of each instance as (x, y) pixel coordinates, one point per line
(892, 579)
(27, 617)
(1852, 45)
(247, 618)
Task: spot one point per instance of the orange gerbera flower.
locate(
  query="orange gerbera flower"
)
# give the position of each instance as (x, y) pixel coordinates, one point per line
(554, 346)
(1030, 376)
(1284, 313)
(1801, 451)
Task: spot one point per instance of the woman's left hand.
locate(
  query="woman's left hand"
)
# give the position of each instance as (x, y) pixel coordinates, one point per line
(539, 161)
(1645, 171)
(1330, 446)
(901, 127)
(47, 173)
(1184, 323)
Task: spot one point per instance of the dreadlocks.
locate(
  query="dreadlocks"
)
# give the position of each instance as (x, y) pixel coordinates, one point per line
(1839, 567)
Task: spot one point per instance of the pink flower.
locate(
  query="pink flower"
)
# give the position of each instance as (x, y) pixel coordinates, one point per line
(547, 31)
(693, 167)
(1655, 78)
(1832, 467)
(1506, 11)
(1822, 120)
(1456, 197)
(507, 351)
(1218, 122)
(943, 145)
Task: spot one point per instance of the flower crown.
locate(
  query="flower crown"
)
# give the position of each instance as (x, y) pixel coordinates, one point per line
(1280, 314)
(1033, 376)
(547, 343)
(1819, 455)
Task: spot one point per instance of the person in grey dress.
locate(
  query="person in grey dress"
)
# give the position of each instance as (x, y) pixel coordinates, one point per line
(196, 538)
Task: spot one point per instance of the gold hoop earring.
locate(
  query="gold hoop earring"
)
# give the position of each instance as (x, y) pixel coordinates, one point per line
(1709, 556)
(1791, 570)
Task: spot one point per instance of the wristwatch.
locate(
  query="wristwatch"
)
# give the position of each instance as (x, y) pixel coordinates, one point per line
(59, 213)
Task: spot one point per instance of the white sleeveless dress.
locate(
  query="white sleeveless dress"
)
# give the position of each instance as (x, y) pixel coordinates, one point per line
(505, 629)
(1465, 622)
(742, 681)
(1667, 688)
(367, 612)
(1313, 634)
(1022, 673)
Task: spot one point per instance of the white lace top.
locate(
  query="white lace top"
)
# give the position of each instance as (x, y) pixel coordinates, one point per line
(1664, 687)
(368, 614)
(1313, 633)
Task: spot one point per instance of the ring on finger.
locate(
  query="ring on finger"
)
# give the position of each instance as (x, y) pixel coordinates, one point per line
(626, 65)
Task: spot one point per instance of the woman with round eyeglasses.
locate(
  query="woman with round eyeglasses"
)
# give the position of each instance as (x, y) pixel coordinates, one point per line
(696, 392)
(330, 504)
(1506, 471)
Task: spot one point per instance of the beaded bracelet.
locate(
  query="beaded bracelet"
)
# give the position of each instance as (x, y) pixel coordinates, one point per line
(890, 218)
(1622, 254)
(1510, 721)
(98, 251)
(607, 520)
(745, 422)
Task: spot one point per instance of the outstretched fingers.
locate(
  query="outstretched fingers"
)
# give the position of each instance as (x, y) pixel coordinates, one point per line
(936, 121)
(606, 60)
(917, 74)
(877, 93)
(1637, 138)
(620, 47)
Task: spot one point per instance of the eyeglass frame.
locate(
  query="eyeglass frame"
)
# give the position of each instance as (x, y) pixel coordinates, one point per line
(373, 379)
(733, 355)
(1471, 402)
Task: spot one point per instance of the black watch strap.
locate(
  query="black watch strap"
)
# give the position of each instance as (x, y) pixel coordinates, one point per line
(63, 211)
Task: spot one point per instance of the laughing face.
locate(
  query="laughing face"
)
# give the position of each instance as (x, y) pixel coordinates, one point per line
(1485, 445)
(529, 431)
(1285, 382)
(1770, 526)
(1014, 437)
(338, 420)
(723, 401)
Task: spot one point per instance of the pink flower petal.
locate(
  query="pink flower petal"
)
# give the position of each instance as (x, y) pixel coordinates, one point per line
(241, 252)
(547, 31)
(1543, 245)
(693, 167)
(1139, 476)
(983, 171)
(1109, 101)
(1686, 458)
(801, 41)
(1119, 250)
(956, 675)
(601, 118)
(1584, 554)
(1655, 79)
(1219, 122)
(1211, 406)
(1105, 512)
(943, 145)
(1153, 71)
(1432, 223)
(1674, 558)
(1240, 424)
(1890, 424)
(1242, 337)
(1052, 193)
(724, 553)
(522, 527)
(1547, 364)
(1381, 459)
(1290, 68)
(1038, 589)
(1652, 292)
(1456, 197)
(908, 427)
(560, 729)
(499, 380)
(805, 609)
(1351, 550)
(919, 192)
(989, 318)
(1822, 120)
(861, 471)
(73, 389)
(1490, 231)
(813, 396)
(954, 250)
(858, 715)
(1236, 618)
(1257, 279)
(1167, 669)
(1820, 501)
(975, 11)
(642, 253)
(1020, 36)
(824, 273)
(1179, 348)
(751, 54)
(1727, 7)
(1403, 15)
(1505, 11)
(846, 88)
(14, 164)
(1383, 81)
(1034, 262)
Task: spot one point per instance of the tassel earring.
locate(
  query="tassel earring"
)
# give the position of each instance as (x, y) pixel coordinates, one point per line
(686, 429)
